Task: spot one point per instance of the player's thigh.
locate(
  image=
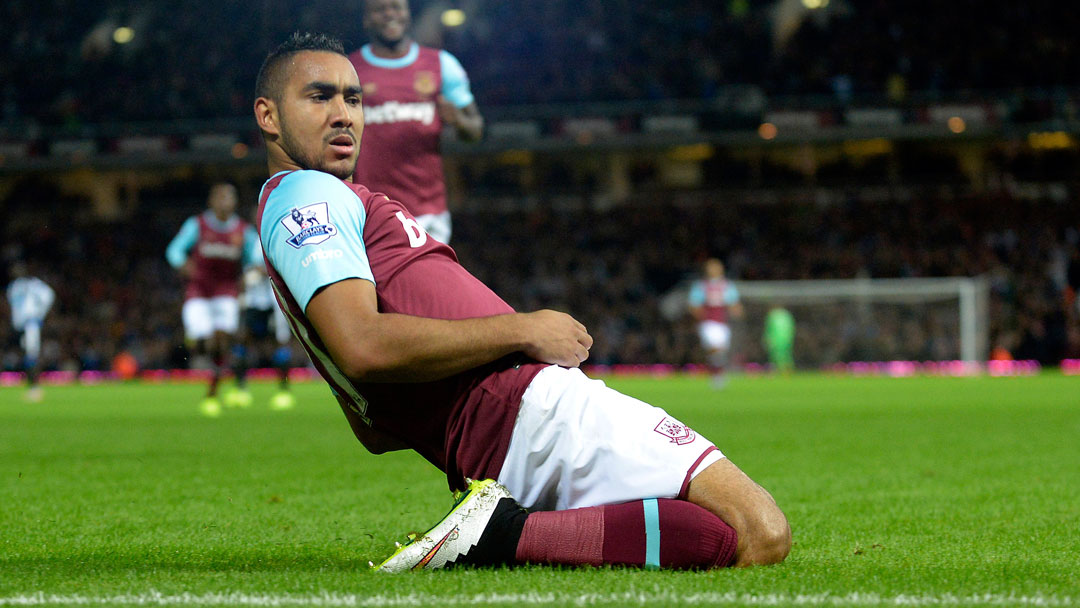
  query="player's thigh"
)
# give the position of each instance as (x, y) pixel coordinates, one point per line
(197, 317)
(30, 339)
(257, 323)
(282, 331)
(225, 314)
(578, 443)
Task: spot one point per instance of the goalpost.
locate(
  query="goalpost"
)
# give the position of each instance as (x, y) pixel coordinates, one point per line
(843, 320)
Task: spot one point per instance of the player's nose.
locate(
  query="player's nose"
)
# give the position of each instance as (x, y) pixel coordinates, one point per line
(340, 113)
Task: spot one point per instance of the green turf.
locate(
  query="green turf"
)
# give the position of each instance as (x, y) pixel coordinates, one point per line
(913, 491)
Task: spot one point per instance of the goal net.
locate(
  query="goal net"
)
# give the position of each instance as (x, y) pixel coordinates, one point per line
(840, 321)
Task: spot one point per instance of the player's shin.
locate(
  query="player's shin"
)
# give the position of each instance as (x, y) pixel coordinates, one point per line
(654, 533)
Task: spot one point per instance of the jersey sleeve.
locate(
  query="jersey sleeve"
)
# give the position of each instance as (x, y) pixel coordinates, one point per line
(177, 251)
(731, 294)
(455, 82)
(697, 295)
(312, 233)
(252, 248)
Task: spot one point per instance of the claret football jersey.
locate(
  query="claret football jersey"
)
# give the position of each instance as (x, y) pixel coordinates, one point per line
(317, 230)
(399, 149)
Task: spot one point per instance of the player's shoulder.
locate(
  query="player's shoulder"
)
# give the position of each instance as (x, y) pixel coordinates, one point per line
(313, 193)
(308, 183)
(444, 55)
(449, 63)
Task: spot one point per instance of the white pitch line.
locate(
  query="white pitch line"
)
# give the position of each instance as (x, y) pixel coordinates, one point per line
(633, 598)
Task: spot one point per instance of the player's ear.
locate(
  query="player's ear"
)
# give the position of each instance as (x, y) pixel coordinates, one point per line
(266, 116)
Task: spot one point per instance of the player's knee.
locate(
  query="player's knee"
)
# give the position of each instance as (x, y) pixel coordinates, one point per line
(768, 540)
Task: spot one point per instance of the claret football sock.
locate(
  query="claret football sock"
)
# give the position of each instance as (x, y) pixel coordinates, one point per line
(215, 376)
(654, 533)
(487, 527)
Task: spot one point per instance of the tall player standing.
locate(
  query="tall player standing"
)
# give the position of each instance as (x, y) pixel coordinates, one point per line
(410, 92)
(211, 251)
(422, 355)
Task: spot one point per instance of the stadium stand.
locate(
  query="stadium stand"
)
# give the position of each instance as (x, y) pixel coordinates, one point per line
(537, 52)
(110, 273)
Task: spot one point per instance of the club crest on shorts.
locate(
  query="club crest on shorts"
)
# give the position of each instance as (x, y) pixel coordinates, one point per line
(309, 225)
(678, 432)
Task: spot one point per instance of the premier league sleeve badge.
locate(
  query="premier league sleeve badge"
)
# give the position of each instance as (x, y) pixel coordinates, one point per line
(309, 225)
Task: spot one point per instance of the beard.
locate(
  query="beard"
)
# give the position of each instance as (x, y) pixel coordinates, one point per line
(307, 159)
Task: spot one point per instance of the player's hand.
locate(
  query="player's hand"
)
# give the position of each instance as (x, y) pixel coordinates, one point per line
(556, 337)
(448, 112)
(187, 270)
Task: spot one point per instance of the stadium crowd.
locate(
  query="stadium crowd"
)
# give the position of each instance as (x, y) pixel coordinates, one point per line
(612, 268)
(116, 294)
(536, 52)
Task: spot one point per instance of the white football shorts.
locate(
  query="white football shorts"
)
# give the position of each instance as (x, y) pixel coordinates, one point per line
(282, 331)
(578, 443)
(714, 335)
(437, 225)
(204, 316)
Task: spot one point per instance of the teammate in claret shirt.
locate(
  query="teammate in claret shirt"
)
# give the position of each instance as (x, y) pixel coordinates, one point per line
(713, 300)
(410, 92)
(421, 355)
(211, 251)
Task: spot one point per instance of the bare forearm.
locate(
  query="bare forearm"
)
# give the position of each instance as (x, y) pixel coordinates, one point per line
(468, 121)
(471, 128)
(372, 346)
(411, 349)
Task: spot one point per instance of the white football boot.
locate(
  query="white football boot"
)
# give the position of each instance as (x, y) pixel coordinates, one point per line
(456, 534)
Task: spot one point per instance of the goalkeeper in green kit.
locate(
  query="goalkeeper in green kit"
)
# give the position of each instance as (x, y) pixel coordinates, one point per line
(780, 338)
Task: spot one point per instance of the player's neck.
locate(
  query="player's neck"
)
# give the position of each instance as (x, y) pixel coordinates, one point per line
(275, 166)
(391, 50)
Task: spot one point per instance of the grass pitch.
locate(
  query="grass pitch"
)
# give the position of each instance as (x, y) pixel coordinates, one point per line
(910, 491)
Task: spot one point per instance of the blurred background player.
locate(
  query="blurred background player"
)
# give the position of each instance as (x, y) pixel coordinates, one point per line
(210, 251)
(779, 338)
(713, 300)
(30, 299)
(266, 333)
(410, 92)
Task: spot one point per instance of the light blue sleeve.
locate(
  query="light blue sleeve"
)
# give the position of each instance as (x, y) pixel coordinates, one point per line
(697, 294)
(455, 82)
(177, 251)
(327, 246)
(252, 247)
(731, 294)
